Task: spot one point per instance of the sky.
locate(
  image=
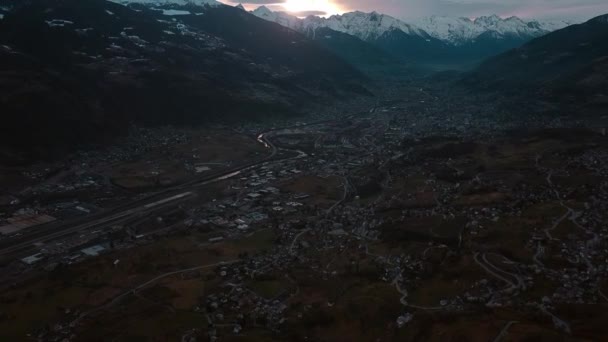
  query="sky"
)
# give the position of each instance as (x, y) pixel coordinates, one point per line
(576, 10)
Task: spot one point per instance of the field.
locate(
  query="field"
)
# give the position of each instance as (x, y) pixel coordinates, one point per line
(323, 192)
(165, 306)
(207, 152)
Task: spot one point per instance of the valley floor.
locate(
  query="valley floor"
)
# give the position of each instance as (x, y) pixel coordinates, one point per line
(417, 216)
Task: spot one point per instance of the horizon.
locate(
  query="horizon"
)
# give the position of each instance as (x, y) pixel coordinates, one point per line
(415, 9)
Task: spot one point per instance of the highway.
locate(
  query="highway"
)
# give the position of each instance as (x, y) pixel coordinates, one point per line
(34, 238)
(28, 246)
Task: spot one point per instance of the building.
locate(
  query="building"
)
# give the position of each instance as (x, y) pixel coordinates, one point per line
(93, 250)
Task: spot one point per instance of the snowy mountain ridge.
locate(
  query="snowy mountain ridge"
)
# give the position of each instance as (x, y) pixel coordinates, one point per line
(454, 31)
(366, 26)
(461, 30)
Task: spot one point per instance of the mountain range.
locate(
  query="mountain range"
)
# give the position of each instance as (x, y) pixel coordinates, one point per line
(459, 31)
(437, 39)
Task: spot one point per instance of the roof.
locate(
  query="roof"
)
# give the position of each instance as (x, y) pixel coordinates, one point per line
(32, 259)
(24, 221)
(92, 251)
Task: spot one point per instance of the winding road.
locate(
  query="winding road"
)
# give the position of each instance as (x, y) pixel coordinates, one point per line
(295, 239)
(345, 184)
(499, 273)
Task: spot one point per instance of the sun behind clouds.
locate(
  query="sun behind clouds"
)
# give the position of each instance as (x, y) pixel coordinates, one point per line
(305, 6)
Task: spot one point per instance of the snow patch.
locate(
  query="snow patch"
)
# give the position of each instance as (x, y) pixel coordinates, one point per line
(172, 12)
(84, 31)
(114, 46)
(134, 39)
(58, 22)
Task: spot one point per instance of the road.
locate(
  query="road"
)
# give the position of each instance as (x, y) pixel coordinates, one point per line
(557, 223)
(503, 333)
(425, 252)
(491, 272)
(540, 251)
(599, 290)
(295, 239)
(28, 245)
(521, 284)
(496, 272)
(557, 322)
(345, 184)
(572, 215)
(404, 294)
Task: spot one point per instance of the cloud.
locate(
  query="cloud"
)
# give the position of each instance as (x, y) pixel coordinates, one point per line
(262, 2)
(302, 14)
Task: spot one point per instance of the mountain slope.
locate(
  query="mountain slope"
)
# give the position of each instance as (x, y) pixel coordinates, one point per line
(385, 37)
(98, 66)
(352, 49)
(366, 26)
(349, 47)
(568, 67)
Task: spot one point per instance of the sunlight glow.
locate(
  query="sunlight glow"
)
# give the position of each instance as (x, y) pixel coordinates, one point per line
(302, 6)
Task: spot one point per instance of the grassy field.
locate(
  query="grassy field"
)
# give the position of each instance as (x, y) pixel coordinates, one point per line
(97, 281)
(322, 191)
(214, 150)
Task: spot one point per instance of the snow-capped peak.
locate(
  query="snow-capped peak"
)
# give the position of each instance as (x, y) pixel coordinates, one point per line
(492, 20)
(280, 18)
(366, 26)
(461, 30)
(455, 31)
(263, 11)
